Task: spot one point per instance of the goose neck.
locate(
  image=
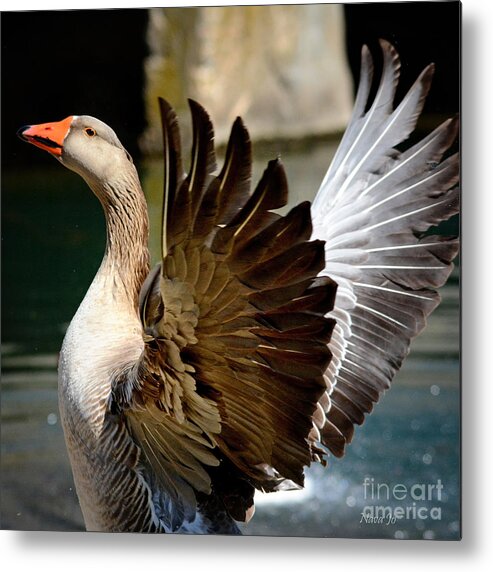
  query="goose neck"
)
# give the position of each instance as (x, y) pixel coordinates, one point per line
(126, 259)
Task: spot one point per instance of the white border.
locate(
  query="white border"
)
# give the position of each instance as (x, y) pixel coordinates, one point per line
(86, 552)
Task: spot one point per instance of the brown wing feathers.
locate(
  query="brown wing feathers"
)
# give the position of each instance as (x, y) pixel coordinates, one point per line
(173, 169)
(250, 327)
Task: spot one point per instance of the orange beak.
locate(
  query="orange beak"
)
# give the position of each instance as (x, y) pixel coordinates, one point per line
(47, 136)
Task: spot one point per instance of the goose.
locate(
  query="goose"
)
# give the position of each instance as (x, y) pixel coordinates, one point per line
(260, 340)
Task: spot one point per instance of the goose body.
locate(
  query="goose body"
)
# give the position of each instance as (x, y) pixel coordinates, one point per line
(91, 337)
(260, 340)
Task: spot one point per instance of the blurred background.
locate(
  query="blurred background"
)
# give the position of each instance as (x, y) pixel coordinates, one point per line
(291, 72)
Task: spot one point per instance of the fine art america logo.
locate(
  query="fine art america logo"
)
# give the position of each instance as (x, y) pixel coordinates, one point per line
(388, 503)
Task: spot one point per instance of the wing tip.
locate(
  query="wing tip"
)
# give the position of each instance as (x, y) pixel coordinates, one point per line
(389, 51)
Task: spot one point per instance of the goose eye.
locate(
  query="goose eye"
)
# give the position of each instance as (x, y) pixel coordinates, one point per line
(89, 131)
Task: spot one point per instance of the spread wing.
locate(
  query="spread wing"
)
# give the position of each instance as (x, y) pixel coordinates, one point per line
(373, 210)
(236, 332)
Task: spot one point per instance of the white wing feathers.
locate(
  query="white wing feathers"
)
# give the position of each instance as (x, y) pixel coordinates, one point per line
(372, 209)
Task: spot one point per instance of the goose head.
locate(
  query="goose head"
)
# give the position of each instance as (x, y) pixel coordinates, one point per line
(83, 144)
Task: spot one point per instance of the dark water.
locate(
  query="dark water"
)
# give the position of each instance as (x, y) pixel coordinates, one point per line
(53, 239)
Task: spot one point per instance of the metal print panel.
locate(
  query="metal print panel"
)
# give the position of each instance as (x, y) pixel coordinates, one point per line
(250, 325)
